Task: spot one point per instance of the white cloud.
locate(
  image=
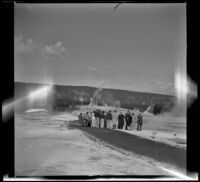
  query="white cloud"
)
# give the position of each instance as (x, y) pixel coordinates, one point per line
(22, 46)
(29, 46)
(55, 50)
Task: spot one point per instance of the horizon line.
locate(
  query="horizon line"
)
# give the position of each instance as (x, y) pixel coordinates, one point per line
(97, 88)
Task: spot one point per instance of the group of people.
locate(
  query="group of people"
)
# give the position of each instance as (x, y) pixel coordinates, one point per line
(112, 120)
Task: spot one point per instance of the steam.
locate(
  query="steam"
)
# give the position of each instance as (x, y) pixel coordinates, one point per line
(96, 96)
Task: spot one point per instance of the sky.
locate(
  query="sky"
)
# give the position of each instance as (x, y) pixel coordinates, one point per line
(136, 47)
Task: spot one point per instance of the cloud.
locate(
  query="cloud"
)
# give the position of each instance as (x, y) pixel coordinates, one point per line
(92, 68)
(28, 46)
(55, 50)
(22, 46)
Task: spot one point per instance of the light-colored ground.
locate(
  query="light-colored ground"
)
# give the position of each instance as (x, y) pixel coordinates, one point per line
(163, 128)
(160, 136)
(42, 148)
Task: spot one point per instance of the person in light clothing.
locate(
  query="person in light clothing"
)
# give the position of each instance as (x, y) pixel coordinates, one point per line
(109, 120)
(134, 118)
(102, 124)
(115, 120)
(96, 119)
(93, 120)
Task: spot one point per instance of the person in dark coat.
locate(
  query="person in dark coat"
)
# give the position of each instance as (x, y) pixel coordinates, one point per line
(139, 122)
(90, 119)
(120, 121)
(81, 119)
(87, 119)
(98, 118)
(104, 119)
(128, 119)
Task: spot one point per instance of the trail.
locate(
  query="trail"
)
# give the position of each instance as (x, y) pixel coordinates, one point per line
(160, 152)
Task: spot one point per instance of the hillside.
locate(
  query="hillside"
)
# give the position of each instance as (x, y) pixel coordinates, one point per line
(63, 97)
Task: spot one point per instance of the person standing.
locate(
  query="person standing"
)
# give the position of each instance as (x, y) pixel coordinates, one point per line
(86, 119)
(93, 120)
(109, 120)
(90, 119)
(128, 119)
(96, 118)
(120, 121)
(114, 120)
(139, 122)
(102, 124)
(100, 116)
(133, 120)
(104, 119)
(81, 120)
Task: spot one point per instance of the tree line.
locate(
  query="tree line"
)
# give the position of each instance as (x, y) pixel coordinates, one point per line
(61, 103)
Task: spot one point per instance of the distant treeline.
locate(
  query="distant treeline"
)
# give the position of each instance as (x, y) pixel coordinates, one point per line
(60, 104)
(63, 97)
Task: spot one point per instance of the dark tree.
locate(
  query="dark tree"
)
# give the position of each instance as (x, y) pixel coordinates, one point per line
(157, 109)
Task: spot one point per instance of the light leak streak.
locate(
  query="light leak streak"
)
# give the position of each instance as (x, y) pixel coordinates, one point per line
(9, 104)
(181, 86)
(40, 93)
(8, 107)
(186, 89)
(177, 174)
